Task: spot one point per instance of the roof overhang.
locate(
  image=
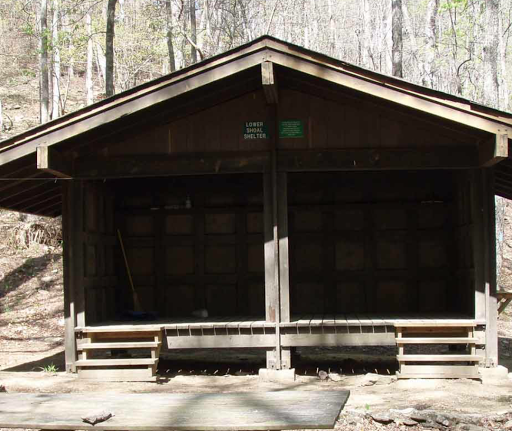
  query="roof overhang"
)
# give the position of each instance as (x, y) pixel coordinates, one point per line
(18, 154)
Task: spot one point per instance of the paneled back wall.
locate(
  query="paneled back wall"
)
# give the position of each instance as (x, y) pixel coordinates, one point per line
(373, 242)
(193, 243)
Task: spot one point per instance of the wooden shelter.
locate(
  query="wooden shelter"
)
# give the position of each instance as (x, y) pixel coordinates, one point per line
(300, 200)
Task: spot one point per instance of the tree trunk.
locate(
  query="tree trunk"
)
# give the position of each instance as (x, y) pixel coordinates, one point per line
(397, 49)
(491, 83)
(430, 42)
(193, 30)
(88, 72)
(503, 85)
(56, 62)
(170, 46)
(109, 49)
(43, 65)
(1, 121)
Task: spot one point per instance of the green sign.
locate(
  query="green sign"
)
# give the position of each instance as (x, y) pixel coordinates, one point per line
(255, 130)
(291, 129)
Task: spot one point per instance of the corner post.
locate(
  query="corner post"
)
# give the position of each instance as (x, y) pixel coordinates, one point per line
(478, 240)
(491, 303)
(74, 295)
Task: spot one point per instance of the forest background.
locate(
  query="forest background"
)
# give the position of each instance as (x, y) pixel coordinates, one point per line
(57, 56)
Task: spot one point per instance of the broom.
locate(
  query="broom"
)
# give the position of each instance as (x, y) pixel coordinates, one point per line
(136, 303)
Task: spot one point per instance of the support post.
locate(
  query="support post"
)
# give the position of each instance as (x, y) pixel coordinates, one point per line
(491, 306)
(69, 303)
(74, 294)
(477, 205)
(284, 267)
(271, 267)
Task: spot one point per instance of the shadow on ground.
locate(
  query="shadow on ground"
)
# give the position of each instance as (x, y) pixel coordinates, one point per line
(32, 267)
(57, 360)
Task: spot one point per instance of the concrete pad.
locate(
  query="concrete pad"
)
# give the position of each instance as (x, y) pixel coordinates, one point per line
(277, 376)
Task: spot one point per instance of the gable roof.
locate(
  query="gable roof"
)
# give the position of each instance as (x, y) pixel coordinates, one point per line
(18, 154)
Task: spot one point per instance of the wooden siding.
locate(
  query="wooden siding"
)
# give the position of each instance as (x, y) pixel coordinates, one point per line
(99, 243)
(328, 124)
(208, 256)
(372, 242)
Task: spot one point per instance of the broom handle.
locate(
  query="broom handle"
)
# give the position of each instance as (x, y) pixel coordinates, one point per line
(126, 261)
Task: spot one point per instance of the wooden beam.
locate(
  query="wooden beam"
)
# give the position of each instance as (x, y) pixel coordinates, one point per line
(155, 166)
(378, 159)
(51, 161)
(494, 151)
(133, 102)
(269, 81)
(393, 94)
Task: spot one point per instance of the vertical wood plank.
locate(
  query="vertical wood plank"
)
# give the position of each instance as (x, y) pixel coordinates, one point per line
(491, 329)
(284, 264)
(241, 261)
(478, 243)
(271, 302)
(69, 305)
(77, 243)
(199, 251)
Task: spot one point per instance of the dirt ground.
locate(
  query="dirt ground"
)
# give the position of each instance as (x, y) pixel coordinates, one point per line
(32, 359)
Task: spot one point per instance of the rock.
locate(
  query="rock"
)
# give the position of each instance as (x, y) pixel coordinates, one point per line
(469, 427)
(2, 388)
(335, 377)
(442, 420)
(47, 279)
(431, 425)
(371, 379)
(95, 418)
(323, 375)
(382, 418)
(409, 422)
(507, 425)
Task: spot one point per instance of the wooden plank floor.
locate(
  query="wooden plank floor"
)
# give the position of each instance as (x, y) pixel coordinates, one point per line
(154, 412)
(247, 322)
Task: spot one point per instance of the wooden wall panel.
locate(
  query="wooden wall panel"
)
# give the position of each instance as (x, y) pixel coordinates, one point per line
(373, 242)
(99, 242)
(350, 298)
(197, 244)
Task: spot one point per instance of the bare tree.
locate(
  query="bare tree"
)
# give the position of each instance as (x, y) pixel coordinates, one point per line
(109, 49)
(193, 30)
(430, 42)
(397, 49)
(491, 83)
(170, 45)
(43, 64)
(56, 62)
(90, 54)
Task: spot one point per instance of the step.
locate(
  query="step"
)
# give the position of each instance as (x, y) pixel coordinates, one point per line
(438, 358)
(451, 324)
(119, 345)
(441, 340)
(119, 329)
(114, 362)
(438, 372)
(117, 375)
